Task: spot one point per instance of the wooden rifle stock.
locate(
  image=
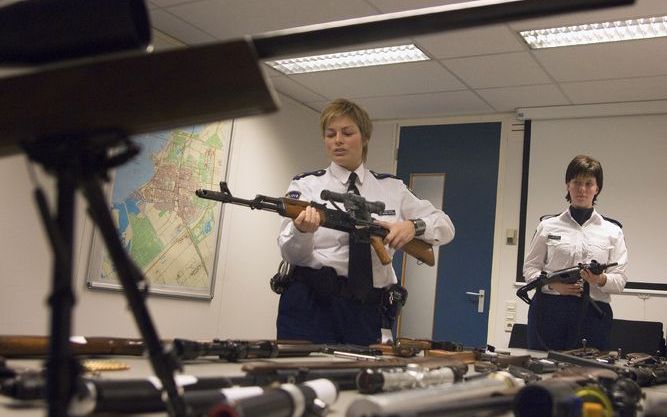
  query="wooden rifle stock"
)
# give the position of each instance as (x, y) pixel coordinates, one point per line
(17, 346)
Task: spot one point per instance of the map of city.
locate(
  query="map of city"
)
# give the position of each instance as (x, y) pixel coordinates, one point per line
(169, 232)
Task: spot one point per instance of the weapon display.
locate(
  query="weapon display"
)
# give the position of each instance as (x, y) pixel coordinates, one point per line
(357, 220)
(567, 275)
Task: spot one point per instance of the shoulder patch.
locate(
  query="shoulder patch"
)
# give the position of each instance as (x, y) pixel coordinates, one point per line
(317, 173)
(383, 176)
(616, 222)
(548, 216)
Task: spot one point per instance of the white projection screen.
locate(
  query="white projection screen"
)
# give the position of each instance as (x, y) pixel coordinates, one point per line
(633, 153)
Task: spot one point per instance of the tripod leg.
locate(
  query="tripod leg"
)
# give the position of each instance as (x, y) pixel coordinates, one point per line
(164, 362)
(62, 367)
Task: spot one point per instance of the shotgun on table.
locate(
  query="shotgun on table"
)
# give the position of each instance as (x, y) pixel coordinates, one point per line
(355, 218)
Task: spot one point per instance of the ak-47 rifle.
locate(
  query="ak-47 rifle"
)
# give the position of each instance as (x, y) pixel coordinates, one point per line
(567, 275)
(356, 218)
(34, 346)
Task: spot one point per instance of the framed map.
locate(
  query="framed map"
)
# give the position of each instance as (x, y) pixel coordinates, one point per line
(170, 233)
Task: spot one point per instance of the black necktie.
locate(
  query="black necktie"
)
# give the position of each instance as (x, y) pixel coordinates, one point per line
(360, 271)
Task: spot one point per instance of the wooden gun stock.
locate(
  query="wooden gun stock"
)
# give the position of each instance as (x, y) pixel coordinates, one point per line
(38, 346)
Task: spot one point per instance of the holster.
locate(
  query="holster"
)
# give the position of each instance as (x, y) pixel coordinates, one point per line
(394, 298)
(283, 278)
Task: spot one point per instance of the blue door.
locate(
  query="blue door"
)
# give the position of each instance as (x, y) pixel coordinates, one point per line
(468, 156)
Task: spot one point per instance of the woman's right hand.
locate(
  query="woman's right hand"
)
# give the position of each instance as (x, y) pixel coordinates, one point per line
(308, 220)
(567, 289)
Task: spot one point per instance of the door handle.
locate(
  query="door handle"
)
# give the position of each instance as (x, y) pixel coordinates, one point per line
(480, 299)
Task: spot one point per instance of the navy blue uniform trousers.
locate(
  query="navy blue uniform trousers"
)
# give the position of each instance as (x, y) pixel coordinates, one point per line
(322, 315)
(558, 322)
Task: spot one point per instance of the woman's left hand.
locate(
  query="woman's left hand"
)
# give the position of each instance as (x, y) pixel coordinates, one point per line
(399, 233)
(592, 279)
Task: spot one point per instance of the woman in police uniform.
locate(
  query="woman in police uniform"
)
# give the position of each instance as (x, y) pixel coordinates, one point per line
(561, 314)
(318, 305)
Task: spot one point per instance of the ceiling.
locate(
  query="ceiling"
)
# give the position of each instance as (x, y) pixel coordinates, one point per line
(483, 70)
(474, 71)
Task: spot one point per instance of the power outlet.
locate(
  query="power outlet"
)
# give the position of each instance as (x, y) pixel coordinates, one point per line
(510, 315)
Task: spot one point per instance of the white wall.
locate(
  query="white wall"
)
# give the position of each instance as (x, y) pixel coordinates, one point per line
(266, 152)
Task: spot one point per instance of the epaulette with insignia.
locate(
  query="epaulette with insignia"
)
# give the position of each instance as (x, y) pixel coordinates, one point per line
(317, 173)
(616, 222)
(548, 216)
(383, 176)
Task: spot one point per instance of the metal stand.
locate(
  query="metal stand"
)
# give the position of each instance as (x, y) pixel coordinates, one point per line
(83, 163)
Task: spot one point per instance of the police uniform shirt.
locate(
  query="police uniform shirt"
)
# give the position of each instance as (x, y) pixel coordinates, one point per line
(328, 247)
(560, 242)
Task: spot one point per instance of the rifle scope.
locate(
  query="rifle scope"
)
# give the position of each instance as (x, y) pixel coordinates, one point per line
(353, 200)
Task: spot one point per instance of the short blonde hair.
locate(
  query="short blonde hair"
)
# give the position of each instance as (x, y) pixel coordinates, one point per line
(342, 107)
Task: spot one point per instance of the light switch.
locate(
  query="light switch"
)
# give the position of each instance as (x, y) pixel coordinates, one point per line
(510, 236)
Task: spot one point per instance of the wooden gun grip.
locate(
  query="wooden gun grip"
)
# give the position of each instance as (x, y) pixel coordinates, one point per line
(378, 245)
(420, 250)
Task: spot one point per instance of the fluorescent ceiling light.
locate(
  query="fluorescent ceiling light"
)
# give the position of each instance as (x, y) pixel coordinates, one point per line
(620, 30)
(350, 59)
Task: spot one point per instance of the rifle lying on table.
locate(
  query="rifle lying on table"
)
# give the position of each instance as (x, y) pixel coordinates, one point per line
(345, 373)
(28, 346)
(356, 218)
(20, 346)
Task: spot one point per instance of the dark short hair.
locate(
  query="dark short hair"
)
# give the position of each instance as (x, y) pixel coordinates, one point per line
(584, 165)
(343, 107)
